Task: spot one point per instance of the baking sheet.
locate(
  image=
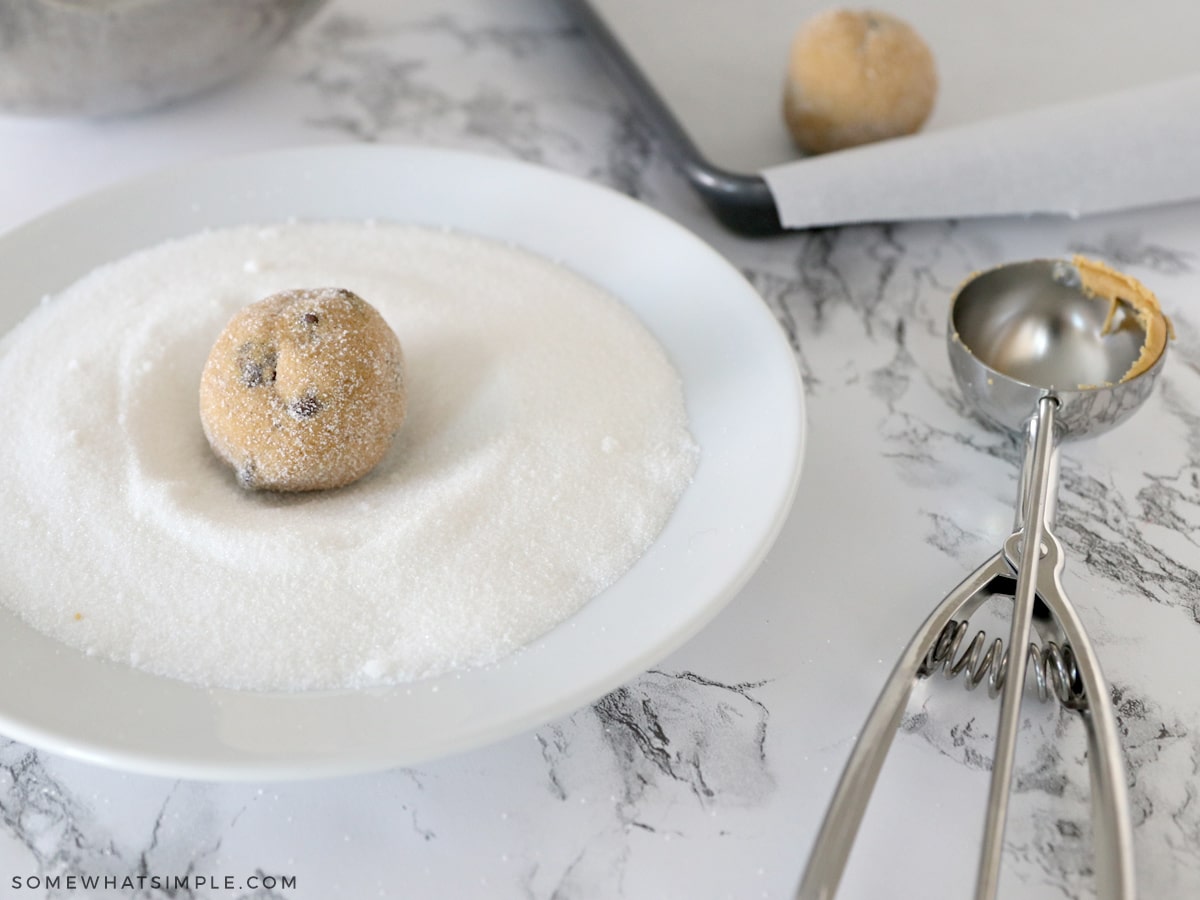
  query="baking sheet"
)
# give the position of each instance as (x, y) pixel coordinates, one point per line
(1024, 85)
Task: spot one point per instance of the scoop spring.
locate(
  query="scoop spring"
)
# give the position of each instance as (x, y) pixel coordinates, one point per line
(1054, 667)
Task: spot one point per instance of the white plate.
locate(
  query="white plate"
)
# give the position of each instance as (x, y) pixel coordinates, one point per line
(745, 406)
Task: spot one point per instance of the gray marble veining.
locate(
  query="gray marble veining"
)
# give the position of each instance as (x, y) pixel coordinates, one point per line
(707, 776)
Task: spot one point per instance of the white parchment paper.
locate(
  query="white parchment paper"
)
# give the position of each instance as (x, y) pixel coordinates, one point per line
(1127, 149)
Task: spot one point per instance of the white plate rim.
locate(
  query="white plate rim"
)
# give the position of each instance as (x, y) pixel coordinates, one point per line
(170, 729)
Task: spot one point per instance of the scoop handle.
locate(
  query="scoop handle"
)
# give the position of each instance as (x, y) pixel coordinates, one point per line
(1112, 851)
(1034, 505)
(827, 860)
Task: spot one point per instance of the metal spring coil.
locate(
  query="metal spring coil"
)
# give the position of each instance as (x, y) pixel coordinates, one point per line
(1054, 667)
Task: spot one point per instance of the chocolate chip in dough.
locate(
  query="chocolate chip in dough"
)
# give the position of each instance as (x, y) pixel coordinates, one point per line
(305, 407)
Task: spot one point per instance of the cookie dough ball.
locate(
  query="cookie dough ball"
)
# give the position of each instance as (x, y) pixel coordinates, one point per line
(303, 391)
(855, 77)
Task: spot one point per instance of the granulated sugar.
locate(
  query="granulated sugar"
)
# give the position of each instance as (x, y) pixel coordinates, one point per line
(545, 447)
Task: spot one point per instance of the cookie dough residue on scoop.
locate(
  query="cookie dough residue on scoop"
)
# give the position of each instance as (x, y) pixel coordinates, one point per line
(1105, 282)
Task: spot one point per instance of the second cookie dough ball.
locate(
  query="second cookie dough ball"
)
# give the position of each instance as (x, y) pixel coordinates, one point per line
(303, 390)
(855, 77)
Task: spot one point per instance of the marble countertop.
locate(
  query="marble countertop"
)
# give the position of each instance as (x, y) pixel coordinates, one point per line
(706, 777)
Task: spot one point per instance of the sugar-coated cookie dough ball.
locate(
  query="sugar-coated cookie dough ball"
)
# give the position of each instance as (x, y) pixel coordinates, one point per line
(303, 390)
(854, 77)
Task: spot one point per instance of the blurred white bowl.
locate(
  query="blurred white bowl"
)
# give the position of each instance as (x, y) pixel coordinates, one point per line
(105, 57)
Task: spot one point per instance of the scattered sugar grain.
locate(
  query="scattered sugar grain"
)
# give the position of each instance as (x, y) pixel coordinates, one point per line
(495, 516)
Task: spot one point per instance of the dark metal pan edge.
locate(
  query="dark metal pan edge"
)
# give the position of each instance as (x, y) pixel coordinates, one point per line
(742, 203)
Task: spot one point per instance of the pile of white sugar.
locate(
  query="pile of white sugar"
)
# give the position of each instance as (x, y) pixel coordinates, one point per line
(545, 447)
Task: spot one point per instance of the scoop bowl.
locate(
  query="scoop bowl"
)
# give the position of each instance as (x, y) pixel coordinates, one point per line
(1027, 330)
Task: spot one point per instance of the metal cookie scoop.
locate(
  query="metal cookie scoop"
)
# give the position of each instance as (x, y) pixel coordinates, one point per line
(1033, 349)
